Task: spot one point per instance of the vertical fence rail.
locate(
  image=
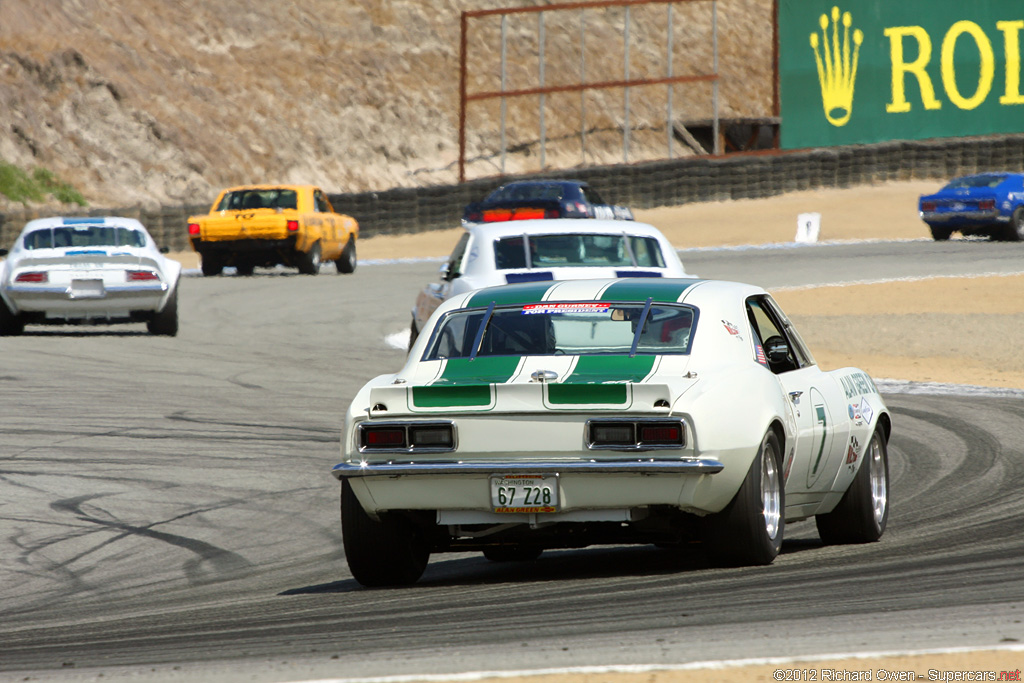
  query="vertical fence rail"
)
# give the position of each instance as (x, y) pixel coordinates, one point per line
(542, 90)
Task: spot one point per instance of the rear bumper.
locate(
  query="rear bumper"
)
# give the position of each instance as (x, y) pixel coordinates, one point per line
(646, 466)
(115, 301)
(231, 246)
(968, 218)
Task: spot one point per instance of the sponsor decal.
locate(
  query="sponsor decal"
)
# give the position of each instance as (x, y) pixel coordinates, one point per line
(866, 410)
(853, 451)
(556, 308)
(855, 415)
(857, 383)
(759, 355)
(730, 328)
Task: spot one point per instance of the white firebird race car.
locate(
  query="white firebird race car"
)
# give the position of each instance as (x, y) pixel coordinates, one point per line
(539, 250)
(558, 415)
(87, 270)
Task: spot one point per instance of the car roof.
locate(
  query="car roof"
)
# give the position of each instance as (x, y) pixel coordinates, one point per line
(269, 186)
(561, 226)
(545, 182)
(62, 221)
(665, 290)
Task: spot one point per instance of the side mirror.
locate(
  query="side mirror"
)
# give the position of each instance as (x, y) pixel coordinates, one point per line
(446, 271)
(777, 350)
(165, 250)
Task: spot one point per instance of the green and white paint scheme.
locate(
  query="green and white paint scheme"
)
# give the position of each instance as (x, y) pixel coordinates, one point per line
(506, 420)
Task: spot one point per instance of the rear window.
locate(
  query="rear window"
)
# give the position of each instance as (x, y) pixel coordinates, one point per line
(84, 236)
(526, 191)
(245, 200)
(571, 328)
(987, 180)
(577, 250)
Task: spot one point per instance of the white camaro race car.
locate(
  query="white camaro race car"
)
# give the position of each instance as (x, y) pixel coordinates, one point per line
(538, 250)
(563, 414)
(87, 270)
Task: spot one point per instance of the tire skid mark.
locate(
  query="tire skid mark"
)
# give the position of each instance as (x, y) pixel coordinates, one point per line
(223, 561)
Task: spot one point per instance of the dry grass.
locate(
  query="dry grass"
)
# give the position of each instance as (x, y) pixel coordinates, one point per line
(149, 101)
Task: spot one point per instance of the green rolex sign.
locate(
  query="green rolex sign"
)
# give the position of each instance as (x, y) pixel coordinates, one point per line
(860, 71)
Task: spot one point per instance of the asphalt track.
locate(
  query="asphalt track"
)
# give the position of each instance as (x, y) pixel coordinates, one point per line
(165, 505)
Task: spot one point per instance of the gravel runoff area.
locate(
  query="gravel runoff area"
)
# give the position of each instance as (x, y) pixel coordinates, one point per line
(910, 339)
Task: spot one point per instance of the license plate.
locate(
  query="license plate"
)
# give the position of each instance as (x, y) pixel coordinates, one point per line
(524, 493)
(87, 289)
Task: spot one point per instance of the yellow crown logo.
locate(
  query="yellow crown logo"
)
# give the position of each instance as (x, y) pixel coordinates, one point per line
(837, 69)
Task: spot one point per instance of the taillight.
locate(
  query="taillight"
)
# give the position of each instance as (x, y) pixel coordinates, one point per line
(293, 226)
(35, 276)
(927, 206)
(193, 229)
(661, 435)
(552, 213)
(407, 436)
(141, 275)
(474, 217)
(384, 437)
(987, 204)
(612, 434)
(635, 434)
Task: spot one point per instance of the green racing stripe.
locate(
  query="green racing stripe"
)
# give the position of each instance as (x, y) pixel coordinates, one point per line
(635, 289)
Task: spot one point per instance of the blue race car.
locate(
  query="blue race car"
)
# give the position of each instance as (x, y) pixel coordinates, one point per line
(984, 204)
(527, 199)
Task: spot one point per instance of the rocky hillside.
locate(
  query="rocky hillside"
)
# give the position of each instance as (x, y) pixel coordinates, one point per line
(166, 101)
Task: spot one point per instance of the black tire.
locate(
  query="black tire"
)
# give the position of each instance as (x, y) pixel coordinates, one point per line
(309, 263)
(346, 263)
(390, 552)
(211, 265)
(512, 553)
(165, 322)
(11, 324)
(750, 529)
(414, 333)
(245, 269)
(863, 512)
(940, 234)
(1015, 230)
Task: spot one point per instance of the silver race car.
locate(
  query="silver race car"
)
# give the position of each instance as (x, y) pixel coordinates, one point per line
(87, 271)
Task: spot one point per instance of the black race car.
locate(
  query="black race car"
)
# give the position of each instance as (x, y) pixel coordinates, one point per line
(526, 199)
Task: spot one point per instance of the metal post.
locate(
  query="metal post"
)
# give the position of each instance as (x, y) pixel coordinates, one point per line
(504, 102)
(583, 80)
(543, 129)
(668, 112)
(462, 101)
(714, 86)
(625, 69)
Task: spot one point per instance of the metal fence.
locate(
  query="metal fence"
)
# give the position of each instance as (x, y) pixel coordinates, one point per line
(647, 185)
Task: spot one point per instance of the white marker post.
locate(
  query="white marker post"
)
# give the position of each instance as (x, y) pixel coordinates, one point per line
(808, 225)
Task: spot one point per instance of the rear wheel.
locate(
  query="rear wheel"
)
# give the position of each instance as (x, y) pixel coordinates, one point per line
(309, 263)
(165, 322)
(11, 324)
(211, 265)
(346, 263)
(863, 513)
(940, 234)
(1015, 230)
(390, 552)
(749, 530)
(245, 268)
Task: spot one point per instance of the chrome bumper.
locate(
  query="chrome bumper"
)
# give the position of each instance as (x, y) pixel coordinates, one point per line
(633, 466)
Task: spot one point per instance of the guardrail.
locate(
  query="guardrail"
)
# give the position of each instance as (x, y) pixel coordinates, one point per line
(645, 185)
